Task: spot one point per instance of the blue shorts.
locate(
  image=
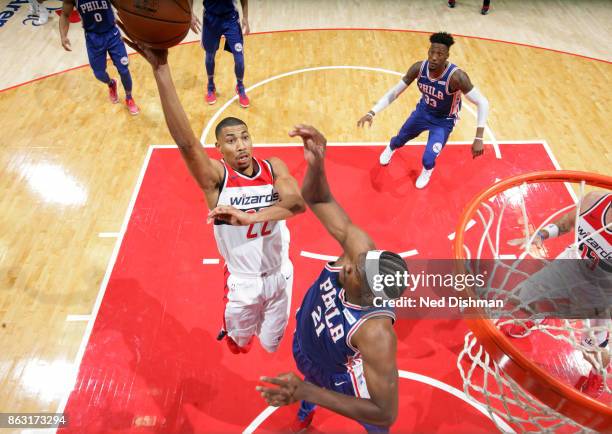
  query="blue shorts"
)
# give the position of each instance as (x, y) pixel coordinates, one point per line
(347, 383)
(216, 26)
(98, 44)
(421, 120)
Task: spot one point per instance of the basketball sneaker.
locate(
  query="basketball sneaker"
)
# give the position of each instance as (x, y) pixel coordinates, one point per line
(132, 107)
(235, 348)
(593, 385)
(243, 99)
(522, 329)
(423, 178)
(301, 425)
(484, 10)
(451, 3)
(43, 15)
(112, 92)
(385, 156)
(211, 96)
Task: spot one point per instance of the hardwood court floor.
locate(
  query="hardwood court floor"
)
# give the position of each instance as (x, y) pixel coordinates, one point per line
(70, 160)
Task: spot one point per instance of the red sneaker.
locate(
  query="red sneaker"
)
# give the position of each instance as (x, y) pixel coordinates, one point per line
(593, 385)
(132, 107)
(211, 96)
(243, 99)
(520, 329)
(235, 348)
(112, 92)
(302, 425)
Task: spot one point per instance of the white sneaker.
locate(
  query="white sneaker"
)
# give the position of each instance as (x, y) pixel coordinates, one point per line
(386, 155)
(423, 178)
(43, 15)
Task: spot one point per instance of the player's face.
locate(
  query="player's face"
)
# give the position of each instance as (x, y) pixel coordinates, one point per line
(437, 56)
(236, 147)
(353, 280)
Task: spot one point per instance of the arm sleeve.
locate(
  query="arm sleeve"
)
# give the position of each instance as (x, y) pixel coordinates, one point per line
(475, 97)
(390, 96)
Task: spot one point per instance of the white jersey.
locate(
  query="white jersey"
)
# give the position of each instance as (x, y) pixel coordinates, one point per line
(257, 249)
(597, 247)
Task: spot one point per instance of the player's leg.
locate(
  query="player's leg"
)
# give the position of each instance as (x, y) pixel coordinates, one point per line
(414, 125)
(312, 374)
(96, 52)
(438, 136)
(38, 8)
(211, 35)
(275, 312)
(485, 7)
(118, 54)
(235, 43)
(242, 311)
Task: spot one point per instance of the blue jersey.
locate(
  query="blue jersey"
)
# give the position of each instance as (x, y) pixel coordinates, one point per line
(437, 98)
(326, 322)
(97, 15)
(219, 7)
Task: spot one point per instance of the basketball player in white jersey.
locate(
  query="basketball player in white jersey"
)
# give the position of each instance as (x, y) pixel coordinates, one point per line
(586, 283)
(249, 198)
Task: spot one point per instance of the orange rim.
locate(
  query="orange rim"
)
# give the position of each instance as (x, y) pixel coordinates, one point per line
(552, 392)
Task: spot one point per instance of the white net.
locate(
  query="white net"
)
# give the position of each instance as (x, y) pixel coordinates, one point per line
(573, 351)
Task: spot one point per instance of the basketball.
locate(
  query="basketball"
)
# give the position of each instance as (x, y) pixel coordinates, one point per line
(156, 23)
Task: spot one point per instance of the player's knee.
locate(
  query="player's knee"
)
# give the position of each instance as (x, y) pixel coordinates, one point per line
(430, 155)
(270, 343)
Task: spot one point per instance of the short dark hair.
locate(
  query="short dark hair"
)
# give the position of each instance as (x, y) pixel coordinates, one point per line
(442, 38)
(227, 122)
(391, 263)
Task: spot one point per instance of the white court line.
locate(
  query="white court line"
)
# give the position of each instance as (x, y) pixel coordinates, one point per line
(509, 256)
(467, 227)
(75, 318)
(109, 268)
(408, 376)
(409, 253)
(210, 261)
(318, 256)
(558, 167)
(327, 68)
(108, 234)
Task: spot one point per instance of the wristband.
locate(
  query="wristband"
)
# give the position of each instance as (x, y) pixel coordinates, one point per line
(552, 229)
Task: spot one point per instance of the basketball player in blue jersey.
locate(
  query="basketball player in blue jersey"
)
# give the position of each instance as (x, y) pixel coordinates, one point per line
(221, 18)
(343, 345)
(441, 84)
(101, 36)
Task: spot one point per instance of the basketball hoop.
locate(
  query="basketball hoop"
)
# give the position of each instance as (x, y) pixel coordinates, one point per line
(495, 369)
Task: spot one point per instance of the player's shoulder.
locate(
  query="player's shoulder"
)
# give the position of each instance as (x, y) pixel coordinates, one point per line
(375, 332)
(592, 197)
(279, 168)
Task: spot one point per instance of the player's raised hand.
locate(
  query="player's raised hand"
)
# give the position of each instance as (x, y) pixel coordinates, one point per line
(230, 215)
(196, 25)
(66, 44)
(315, 143)
(477, 147)
(290, 389)
(156, 57)
(368, 117)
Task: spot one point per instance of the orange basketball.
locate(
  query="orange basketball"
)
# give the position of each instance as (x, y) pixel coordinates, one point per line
(156, 23)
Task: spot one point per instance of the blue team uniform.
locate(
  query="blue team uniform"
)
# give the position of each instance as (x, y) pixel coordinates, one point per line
(102, 36)
(436, 112)
(221, 19)
(321, 344)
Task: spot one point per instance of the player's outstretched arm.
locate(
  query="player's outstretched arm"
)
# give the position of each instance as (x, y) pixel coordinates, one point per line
(64, 23)
(208, 173)
(563, 224)
(391, 95)
(461, 81)
(377, 345)
(318, 196)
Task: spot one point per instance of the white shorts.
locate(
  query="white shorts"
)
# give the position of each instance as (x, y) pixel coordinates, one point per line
(258, 306)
